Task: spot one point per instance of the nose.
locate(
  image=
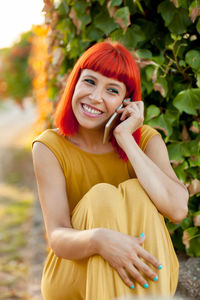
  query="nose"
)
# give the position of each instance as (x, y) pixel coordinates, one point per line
(96, 95)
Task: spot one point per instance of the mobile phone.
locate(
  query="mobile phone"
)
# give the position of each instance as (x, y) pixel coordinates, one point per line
(112, 122)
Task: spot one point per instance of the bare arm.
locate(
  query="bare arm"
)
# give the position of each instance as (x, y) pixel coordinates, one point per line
(65, 241)
(156, 175)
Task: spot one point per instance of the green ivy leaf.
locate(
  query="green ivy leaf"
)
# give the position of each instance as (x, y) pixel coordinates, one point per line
(177, 152)
(162, 86)
(193, 171)
(182, 63)
(152, 112)
(124, 14)
(66, 7)
(192, 58)
(133, 36)
(92, 34)
(176, 19)
(101, 1)
(180, 171)
(196, 213)
(159, 59)
(163, 123)
(183, 3)
(188, 101)
(192, 231)
(115, 3)
(103, 22)
(186, 223)
(194, 249)
(148, 86)
(80, 7)
(198, 26)
(76, 46)
(144, 53)
(180, 22)
(198, 79)
(167, 11)
(194, 162)
(149, 70)
(171, 226)
(116, 34)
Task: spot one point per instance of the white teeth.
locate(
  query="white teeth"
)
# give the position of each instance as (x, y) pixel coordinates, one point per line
(90, 110)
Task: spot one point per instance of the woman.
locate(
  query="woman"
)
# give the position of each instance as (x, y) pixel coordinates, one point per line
(103, 204)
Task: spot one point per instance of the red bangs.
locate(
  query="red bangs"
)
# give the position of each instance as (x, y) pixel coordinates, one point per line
(116, 62)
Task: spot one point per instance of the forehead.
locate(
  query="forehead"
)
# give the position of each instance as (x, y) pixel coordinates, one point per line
(99, 76)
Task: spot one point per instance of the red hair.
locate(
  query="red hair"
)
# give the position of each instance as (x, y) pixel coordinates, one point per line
(111, 60)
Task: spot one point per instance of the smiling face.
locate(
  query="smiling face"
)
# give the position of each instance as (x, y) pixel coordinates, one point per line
(95, 98)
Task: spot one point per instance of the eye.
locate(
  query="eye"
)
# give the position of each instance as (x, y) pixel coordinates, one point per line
(90, 81)
(113, 90)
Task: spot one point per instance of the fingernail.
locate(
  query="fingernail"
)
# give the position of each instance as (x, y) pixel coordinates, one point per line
(156, 278)
(132, 287)
(118, 108)
(142, 234)
(159, 267)
(146, 285)
(127, 100)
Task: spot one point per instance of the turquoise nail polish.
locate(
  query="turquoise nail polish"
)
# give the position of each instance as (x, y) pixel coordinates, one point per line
(142, 234)
(132, 287)
(159, 267)
(126, 100)
(156, 278)
(146, 285)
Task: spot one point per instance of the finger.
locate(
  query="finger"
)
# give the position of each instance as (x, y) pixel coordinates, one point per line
(128, 111)
(124, 115)
(122, 273)
(149, 258)
(136, 275)
(140, 105)
(140, 265)
(141, 238)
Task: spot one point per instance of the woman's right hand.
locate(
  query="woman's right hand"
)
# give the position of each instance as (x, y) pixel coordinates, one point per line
(126, 255)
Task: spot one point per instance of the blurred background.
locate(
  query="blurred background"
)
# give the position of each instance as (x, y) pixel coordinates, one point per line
(40, 40)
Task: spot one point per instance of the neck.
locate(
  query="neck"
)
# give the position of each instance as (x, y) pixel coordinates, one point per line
(90, 137)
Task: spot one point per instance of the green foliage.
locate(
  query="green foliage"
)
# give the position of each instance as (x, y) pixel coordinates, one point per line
(15, 71)
(164, 36)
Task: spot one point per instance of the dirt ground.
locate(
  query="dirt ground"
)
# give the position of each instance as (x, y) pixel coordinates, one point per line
(23, 248)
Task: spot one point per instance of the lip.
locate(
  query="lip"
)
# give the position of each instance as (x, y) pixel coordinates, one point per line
(86, 113)
(92, 107)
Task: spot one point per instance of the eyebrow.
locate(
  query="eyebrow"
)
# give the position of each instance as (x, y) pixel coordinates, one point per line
(111, 83)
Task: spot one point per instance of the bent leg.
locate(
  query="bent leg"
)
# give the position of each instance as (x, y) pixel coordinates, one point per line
(129, 210)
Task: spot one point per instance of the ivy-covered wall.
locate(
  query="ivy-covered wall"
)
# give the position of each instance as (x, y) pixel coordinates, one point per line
(163, 36)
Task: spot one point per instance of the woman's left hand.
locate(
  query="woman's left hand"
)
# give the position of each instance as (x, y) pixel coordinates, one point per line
(132, 117)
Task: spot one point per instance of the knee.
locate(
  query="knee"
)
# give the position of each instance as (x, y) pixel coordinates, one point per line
(102, 202)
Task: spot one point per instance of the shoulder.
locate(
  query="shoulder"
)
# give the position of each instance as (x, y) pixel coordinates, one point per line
(48, 146)
(47, 135)
(147, 132)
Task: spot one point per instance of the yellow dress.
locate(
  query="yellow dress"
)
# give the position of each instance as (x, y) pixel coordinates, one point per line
(103, 191)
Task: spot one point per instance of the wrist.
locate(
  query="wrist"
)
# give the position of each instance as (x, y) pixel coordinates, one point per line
(123, 138)
(96, 240)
